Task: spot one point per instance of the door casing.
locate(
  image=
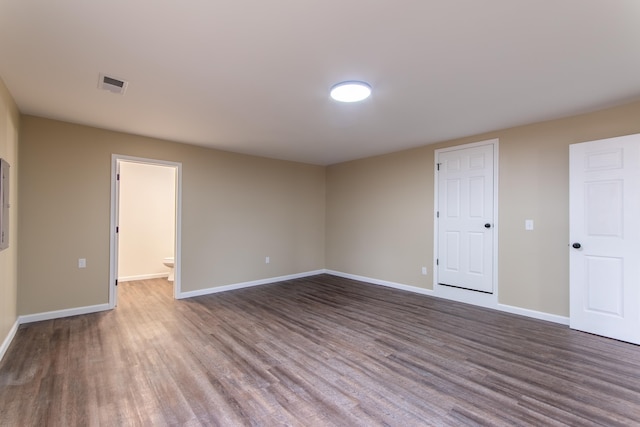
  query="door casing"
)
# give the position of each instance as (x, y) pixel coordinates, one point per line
(113, 238)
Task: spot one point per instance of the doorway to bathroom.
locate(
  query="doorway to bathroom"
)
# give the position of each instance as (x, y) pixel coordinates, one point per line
(145, 222)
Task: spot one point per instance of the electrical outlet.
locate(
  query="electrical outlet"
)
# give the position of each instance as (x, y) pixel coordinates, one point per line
(82, 263)
(267, 260)
(424, 271)
(528, 224)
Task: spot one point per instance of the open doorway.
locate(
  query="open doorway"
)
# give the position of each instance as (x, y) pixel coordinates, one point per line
(145, 221)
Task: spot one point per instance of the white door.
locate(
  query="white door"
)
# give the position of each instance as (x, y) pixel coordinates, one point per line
(465, 218)
(605, 237)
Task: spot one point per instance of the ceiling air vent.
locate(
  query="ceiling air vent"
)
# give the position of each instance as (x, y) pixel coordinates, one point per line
(112, 84)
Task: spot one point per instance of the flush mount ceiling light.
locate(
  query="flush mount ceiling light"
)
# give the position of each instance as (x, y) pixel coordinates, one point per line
(351, 91)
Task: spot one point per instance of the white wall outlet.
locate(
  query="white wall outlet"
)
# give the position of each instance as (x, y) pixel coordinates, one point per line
(82, 263)
(267, 260)
(528, 224)
(424, 271)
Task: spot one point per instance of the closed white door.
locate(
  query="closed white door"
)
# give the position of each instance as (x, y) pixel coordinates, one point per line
(605, 237)
(465, 218)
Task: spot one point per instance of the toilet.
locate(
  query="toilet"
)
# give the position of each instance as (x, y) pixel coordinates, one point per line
(168, 261)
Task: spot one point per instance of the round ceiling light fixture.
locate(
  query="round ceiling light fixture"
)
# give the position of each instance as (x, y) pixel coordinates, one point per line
(351, 91)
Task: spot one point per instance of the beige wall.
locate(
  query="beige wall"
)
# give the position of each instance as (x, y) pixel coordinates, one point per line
(236, 210)
(380, 210)
(9, 126)
(379, 217)
(147, 219)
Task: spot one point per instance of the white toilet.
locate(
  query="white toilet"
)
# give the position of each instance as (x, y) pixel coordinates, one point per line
(168, 261)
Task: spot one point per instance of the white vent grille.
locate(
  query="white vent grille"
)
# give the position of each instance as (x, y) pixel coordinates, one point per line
(112, 84)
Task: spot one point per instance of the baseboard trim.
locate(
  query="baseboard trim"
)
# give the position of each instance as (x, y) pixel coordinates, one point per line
(379, 282)
(8, 339)
(143, 277)
(225, 288)
(540, 315)
(37, 317)
(499, 307)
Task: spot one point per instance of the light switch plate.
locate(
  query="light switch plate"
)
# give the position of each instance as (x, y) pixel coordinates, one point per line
(528, 224)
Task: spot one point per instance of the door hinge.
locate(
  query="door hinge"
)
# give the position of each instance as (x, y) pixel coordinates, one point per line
(118, 177)
(437, 214)
(437, 261)
(116, 282)
(117, 229)
(438, 165)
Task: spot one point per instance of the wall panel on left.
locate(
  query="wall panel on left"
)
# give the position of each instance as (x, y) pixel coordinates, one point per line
(4, 204)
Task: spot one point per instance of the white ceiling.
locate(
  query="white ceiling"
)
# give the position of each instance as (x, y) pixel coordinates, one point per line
(254, 76)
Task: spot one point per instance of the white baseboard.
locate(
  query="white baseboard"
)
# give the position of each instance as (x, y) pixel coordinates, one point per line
(224, 288)
(143, 277)
(37, 317)
(540, 315)
(500, 307)
(29, 318)
(388, 284)
(7, 341)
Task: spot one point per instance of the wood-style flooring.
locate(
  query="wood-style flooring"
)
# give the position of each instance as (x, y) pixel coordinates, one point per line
(318, 351)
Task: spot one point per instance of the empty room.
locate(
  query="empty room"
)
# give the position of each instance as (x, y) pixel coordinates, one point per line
(320, 213)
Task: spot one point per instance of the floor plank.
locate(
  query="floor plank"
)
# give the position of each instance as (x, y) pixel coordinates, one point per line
(318, 351)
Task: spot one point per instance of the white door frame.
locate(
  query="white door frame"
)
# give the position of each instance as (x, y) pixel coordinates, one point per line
(113, 253)
(458, 294)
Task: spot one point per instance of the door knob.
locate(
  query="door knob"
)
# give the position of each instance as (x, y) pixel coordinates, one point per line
(487, 225)
(576, 245)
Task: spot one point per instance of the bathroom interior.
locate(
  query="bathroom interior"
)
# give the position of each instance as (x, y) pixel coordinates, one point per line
(146, 221)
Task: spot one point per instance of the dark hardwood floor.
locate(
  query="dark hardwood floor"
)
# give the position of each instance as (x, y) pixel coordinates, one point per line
(316, 351)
